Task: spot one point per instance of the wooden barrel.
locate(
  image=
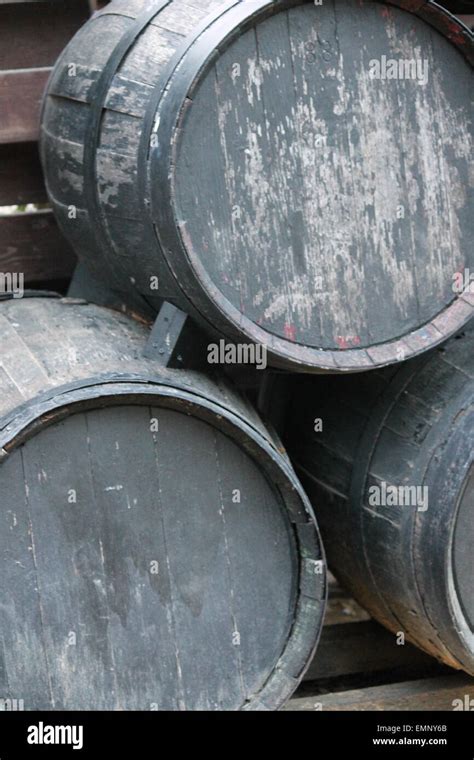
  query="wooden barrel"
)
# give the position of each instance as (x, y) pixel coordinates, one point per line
(156, 548)
(258, 165)
(391, 479)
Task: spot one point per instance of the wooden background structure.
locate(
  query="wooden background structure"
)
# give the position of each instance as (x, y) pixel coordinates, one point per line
(32, 34)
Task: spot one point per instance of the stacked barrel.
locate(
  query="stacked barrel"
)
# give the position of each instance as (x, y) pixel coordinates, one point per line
(391, 473)
(279, 174)
(157, 550)
(249, 162)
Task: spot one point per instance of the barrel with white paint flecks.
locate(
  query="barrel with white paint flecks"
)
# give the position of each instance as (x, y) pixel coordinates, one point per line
(156, 548)
(289, 173)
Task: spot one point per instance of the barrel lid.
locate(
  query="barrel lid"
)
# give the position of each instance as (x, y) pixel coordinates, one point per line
(243, 586)
(309, 169)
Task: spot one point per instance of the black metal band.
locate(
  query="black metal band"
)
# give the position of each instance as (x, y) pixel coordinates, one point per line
(371, 433)
(154, 163)
(143, 176)
(369, 439)
(92, 133)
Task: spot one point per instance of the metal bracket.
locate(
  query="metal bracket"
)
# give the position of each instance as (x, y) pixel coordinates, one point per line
(175, 340)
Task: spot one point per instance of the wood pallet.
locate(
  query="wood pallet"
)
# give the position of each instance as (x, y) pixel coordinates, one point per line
(360, 666)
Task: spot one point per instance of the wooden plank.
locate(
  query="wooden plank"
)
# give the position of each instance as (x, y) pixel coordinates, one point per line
(353, 643)
(344, 609)
(21, 176)
(21, 92)
(203, 536)
(34, 35)
(363, 647)
(426, 694)
(458, 7)
(468, 19)
(129, 525)
(34, 245)
(19, 572)
(269, 600)
(74, 623)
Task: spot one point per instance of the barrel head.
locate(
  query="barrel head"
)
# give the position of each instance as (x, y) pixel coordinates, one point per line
(147, 563)
(321, 181)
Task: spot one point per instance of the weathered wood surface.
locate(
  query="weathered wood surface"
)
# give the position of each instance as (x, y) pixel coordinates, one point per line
(363, 647)
(423, 695)
(21, 177)
(21, 92)
(352, 644)
(406, 555)
(297, 201)
(343, 609)
(32, 244)
(33, 35)
(156, 547)
(142, 639)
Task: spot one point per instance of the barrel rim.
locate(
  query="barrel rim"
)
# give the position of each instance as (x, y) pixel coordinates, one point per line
(311, 596)
(464, 495)
(458, 634)
(212, 306)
